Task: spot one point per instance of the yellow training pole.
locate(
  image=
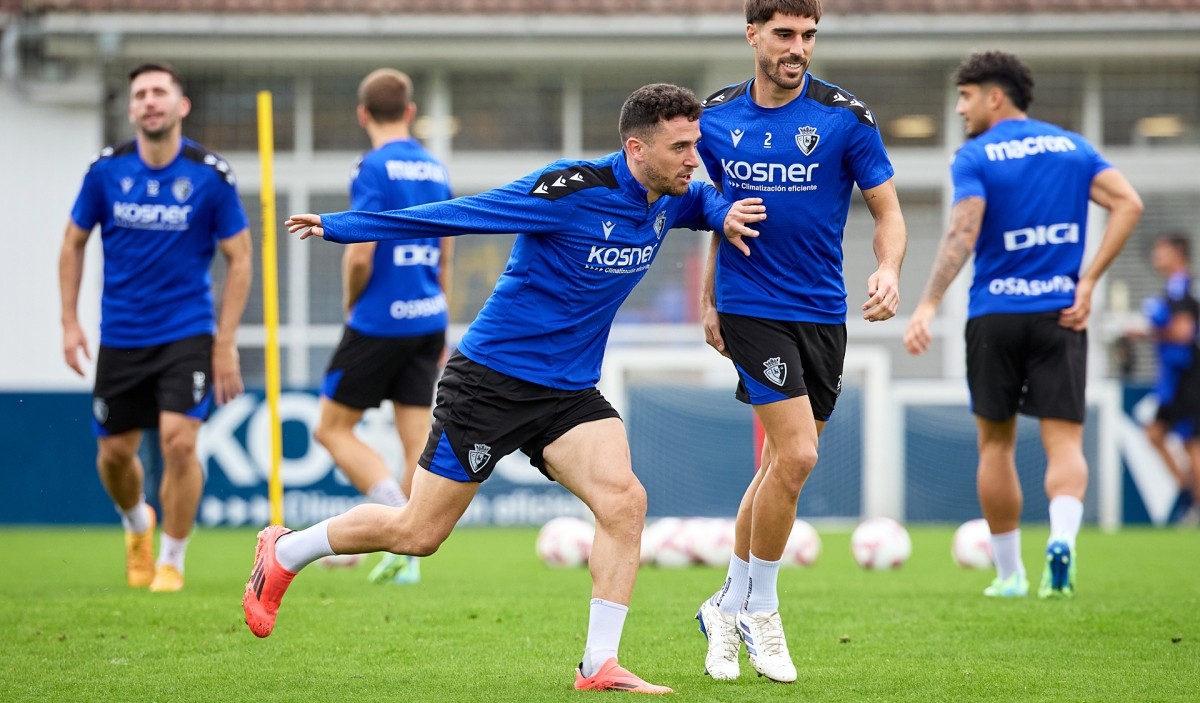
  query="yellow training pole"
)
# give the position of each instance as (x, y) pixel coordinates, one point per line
(270, 274)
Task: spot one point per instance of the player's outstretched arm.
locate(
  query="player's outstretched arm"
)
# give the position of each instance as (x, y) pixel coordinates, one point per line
(966, 218)
(307, 225)
(741, 215)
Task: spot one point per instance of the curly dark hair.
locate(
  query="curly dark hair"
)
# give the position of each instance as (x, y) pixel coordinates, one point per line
(999, 68)
(655, 103)
(760, 11)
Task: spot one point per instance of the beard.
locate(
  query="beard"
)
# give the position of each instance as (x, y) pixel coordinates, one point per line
(771, 70)
(661, 182)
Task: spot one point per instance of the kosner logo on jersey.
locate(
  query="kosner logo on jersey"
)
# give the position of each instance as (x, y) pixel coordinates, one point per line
(768, 172)
(1026, 237)
(145, 216)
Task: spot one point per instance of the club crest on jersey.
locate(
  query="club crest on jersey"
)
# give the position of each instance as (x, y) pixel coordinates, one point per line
(152, 188)
(659, 223)
(775, 370)
(479, 456)
(100, 410)
(182, 189)
(126, 185)
(807, 139)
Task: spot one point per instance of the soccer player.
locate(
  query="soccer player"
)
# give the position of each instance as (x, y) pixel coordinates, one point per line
(395, 306)
(164, 205)
(1021, 191)
(800, 144)
(524, 375)
(1173, 318)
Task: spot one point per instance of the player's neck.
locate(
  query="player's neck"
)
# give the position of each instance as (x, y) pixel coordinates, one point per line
(159, 152)
(381, 134)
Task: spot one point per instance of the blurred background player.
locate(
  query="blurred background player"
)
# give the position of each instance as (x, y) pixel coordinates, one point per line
(524, 376)
(164, 205)
(780, 314)
(396, 313)
(1021, 191)
(1173, 320)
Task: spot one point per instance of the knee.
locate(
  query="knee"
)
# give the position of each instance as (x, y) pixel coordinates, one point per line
(418, 540)
(114, 455)
(624, 509)
(792, 468)
(178, 446)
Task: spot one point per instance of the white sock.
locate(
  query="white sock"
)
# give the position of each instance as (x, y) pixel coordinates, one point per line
(388, 492)
(1066, 515)
(171, 551)
(1006, 548)
(137, 518)
(605, 622)
(297, 550)
(761, 596)
(732, 596)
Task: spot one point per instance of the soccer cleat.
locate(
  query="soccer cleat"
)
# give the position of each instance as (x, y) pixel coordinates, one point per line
(1058, 576)
(766, 645)
(613, 677)
(396, 568)
(267, 584)
(167, 579)
(724, 643)
(139, 555)
(1015, 586)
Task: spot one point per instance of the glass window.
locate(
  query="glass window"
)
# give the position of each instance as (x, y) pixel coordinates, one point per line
(907, 99)
(253, 314)
(1151, 105)
(335, 99)
(225, 110)
(507, 111)
(605, 93)
(1058, 96)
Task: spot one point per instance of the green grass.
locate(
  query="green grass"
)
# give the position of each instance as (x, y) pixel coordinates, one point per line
(489, 623)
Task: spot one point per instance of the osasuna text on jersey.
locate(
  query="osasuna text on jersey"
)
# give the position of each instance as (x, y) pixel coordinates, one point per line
(1034, 178)
(803, 159)
(585, 237)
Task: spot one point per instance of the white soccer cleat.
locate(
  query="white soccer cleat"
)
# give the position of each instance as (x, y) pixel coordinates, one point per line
(724, 643)
(763, 635)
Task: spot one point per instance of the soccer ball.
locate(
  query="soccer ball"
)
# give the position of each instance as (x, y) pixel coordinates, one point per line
(880, 543)
(673, 545)
(655, 534)
(341, 561)
(972, 548)
(803, 545)
(710, 540)
(565, 542)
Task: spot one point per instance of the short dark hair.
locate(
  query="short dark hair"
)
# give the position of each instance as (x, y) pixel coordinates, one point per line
(1002, 69)
(760, 11)
(1179, 242)
(158, 67)
(386, 94)
(655, 103)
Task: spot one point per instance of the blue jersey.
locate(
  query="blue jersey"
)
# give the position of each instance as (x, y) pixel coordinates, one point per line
(159, 228)
(403, 297)
(1036, 179)
(585, 237)
(803, 159)
(1175, 358)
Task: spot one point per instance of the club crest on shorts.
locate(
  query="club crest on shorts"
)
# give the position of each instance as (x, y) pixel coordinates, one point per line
(197, 386)
(479, 456)
(807, 139)
(775, 370)
(100, 410)
(659, 223)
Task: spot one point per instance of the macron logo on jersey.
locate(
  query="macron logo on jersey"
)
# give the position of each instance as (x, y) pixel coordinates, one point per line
(1029, 146)
(736, 135)
(152, 217)
(415, 171)
(1026, 237)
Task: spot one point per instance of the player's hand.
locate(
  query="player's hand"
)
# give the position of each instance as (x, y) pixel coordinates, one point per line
(227, 372)
(883, 295)
(712, 329)
(1076, 316)
(307, 224)
(75, 341)
(917, 336)
(743, 213)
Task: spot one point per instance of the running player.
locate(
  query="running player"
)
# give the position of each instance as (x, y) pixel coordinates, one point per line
(164, 205)
(395, 306)
(524, 375)
(1021, 191)
(800, 144)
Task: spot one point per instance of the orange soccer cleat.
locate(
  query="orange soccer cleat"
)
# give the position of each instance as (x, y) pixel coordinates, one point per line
(139, 555)
(613, 677)
(268, 582)
(167, 579)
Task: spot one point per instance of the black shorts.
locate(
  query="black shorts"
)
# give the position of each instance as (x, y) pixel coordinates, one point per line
(776, 360)
(1026, 363)
(1182, 412)
(365, 371)
(482, 416)
(134, 385)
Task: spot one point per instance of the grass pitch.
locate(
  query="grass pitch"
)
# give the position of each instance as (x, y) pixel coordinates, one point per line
(488, 622)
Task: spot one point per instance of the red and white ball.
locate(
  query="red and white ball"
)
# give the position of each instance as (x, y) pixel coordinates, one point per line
(710, 540)
(803, 545)
(972, 546)
(341, 561)
(565, 541)
(880, 543)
